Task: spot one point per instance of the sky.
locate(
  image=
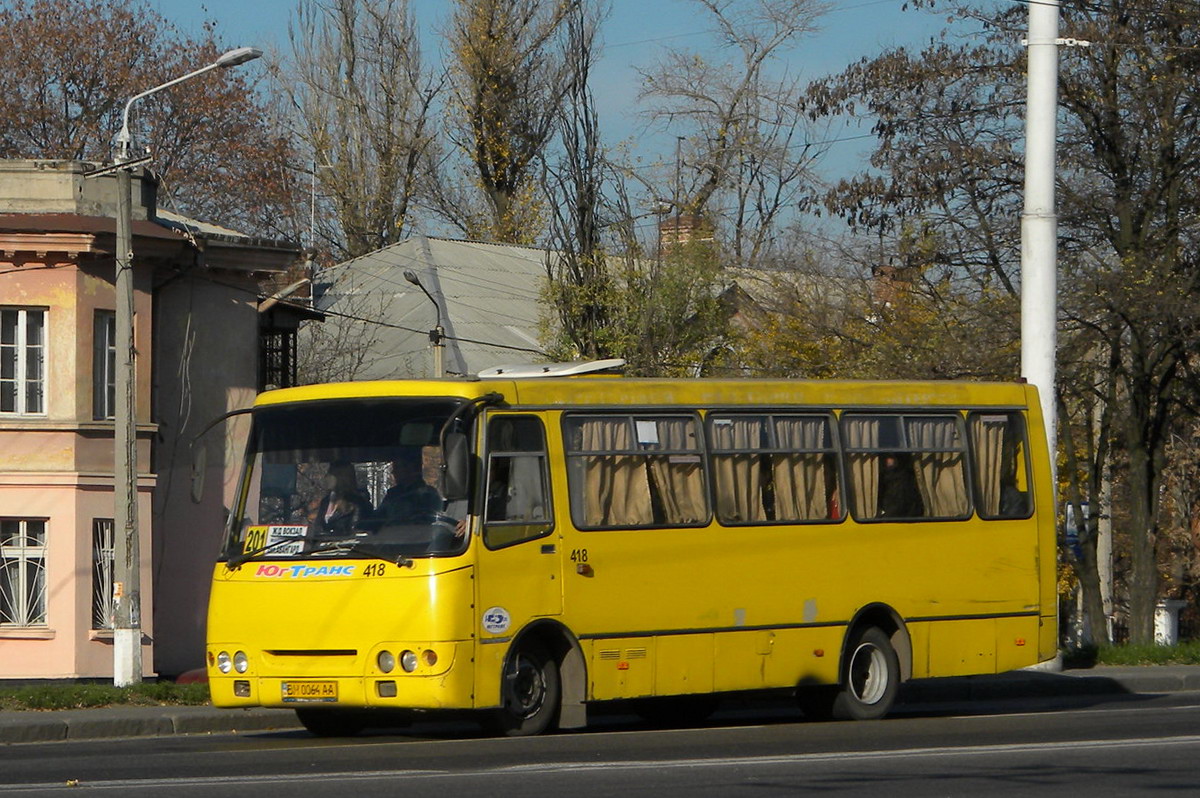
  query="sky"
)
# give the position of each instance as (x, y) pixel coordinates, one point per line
(635, 34)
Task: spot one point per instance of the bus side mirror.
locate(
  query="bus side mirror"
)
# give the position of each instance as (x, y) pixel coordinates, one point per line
(456, 474)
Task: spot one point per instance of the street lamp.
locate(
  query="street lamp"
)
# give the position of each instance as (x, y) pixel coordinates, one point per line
(231, 58)
(127, 598)
(438, 334)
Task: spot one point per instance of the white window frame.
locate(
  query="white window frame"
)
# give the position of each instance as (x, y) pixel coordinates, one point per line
(25, 605)
(24, 354)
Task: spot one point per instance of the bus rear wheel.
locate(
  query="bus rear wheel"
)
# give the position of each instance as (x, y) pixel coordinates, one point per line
(530, 694)
(332, 722)
(871, 677)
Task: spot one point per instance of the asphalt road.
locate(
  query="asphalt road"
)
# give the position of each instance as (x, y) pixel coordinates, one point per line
(1096, 746)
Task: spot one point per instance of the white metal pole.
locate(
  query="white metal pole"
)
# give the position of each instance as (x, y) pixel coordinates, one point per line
(1039, 224)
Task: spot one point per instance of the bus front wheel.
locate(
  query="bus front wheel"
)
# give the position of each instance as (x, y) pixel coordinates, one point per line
(871, 677)
(531, 692)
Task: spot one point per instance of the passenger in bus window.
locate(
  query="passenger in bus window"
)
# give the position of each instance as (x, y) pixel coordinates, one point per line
(898, 493)
(343, 505)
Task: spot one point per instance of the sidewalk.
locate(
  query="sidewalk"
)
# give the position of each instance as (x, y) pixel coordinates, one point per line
(111, 722)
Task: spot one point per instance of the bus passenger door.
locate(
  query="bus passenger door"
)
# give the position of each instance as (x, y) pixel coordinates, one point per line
(518, 577)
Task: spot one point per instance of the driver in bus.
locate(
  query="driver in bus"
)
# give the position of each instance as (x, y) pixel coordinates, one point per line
(411, 499)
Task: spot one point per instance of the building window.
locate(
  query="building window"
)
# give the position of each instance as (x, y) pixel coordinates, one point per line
(102, 573)
(104, 365)
(277, 360)
(22, 572)
(22, 361)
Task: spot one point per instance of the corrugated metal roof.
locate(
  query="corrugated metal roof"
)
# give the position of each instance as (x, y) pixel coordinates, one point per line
(488, 299)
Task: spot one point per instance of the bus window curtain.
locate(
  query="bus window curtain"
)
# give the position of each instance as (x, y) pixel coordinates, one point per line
(679, 477)
(617, 492)
(739, 477)
(940, 477)
(863, 433)
(987, 434)
(799, 477)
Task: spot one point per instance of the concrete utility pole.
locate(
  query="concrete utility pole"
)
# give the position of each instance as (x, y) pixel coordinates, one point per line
(1039, 223)
(127, 558)
(127, 598)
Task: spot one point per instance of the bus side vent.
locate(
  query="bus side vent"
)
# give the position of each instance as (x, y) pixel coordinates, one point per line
(610, 654)
(635, 653)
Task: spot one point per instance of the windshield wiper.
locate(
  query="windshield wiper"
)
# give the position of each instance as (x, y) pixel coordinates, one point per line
(237, 560)
(351, 545)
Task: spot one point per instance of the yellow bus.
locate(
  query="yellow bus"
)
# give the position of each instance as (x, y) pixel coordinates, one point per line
(533, 541)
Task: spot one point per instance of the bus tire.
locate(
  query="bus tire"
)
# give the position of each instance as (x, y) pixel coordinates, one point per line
(871, 677)
(530, 694)
(332, 722)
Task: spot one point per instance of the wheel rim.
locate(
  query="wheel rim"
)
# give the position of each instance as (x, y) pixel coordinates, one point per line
(528, 686)
(868, 680)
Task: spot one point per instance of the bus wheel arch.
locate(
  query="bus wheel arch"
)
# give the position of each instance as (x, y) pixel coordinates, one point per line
(876, 658)
(887, 619)
(551, 656)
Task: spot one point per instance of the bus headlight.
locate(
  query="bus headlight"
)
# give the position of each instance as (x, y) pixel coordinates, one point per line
(224, 663)
(408, 661)
(241, 663)
(385, 661)
(429, 657)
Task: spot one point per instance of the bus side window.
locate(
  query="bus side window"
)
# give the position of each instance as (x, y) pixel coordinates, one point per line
(906, 467)
(998, 451)
(774, 468)
(517, 504)
(636, 471)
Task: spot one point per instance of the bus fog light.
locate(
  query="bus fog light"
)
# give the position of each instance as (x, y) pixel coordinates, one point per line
(386, 689)
(429, 657)
(408, 661)
(224, 663)
(241, 688)
(241, 663)
(385, 661)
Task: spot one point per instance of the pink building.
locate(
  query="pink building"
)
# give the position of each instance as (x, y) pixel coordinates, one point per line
(204, 348)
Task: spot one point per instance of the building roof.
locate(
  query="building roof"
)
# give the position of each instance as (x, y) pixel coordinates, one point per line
(487, 297)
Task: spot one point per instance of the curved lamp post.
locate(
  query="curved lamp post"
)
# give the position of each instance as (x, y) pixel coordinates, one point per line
(438, 334)
(127, 601)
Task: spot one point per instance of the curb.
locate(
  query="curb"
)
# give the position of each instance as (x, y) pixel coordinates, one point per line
(115, 722)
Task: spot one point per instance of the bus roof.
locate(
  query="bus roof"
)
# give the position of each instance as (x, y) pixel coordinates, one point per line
(592, 391)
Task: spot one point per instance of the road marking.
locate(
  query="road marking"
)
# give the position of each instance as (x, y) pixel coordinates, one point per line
(620, 765)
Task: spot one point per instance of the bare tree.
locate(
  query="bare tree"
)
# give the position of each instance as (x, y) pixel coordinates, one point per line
(67, 67)
(580, 287)
(747, 152)
(509, 75)
(361, 103)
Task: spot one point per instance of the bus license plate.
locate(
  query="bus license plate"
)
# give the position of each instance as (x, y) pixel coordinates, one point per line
(310, 691)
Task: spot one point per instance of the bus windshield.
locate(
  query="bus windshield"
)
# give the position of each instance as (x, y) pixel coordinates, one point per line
(336, 478)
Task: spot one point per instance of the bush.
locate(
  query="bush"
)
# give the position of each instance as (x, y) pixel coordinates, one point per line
(81, 696)
(1182, 654)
